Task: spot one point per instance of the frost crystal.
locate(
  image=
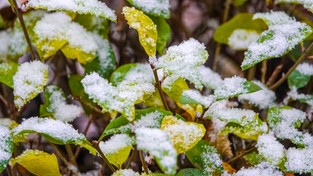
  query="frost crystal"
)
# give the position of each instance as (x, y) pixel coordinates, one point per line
(158, 144)
(263, 98)
(93, 7)
(183, 61)
(115, 143)
(299, 160)
(153, 7)
(29, 81)
(58, 106)
(305, 69)
(240, 39)
(210, 79)
(283, 35)
(271, 149)
(54, 128)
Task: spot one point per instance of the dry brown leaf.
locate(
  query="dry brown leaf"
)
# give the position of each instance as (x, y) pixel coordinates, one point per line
(227, 167)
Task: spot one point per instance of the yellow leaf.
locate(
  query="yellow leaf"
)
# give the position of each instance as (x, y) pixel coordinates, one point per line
(147, 30)
(185, 135)
(38, 163)
(119, 157)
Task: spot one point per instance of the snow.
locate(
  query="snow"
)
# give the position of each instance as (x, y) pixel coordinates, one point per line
(240, 39)
(270, 149)
(125, 172)
(151, 120)
(264, 169)
(263, 98)
(158, 144)
(299, 160)
(93, 7)
(141, 72)
(115, 143)
(183, 61)
(154, 7)
(58, 130)
(210, 79)
(206, 101)
(59, 27)
(283, 35)
(230, 87)
(305, 69)
(58, 106)
(5, 148)
(13, 44)
(211, 158)
(28, 81)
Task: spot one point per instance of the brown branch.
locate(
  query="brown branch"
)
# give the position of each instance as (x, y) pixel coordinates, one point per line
(263, 71)
(241, 155)
(302, 58)
(143, 162)
(274, 75)
(96, 146)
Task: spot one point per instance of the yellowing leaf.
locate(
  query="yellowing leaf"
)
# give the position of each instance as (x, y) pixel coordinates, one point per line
(38, 163)
(185, 135)
(147, 30)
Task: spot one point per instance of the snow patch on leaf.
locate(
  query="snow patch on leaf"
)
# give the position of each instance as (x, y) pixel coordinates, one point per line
(153, 7)
(240, 39)
(305, 69)
(210, 79)
(264, 169)
(6, 147)
(299, 160)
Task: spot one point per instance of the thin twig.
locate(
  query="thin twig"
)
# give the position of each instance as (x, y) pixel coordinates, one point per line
(130, 159)
(302, 58)
(143, 162)
(158, 86)
(59, 154)
(274, 75)
(241, 155)
(84, 132)
(70, 154)
(263, 71)
(96, 146)
(19, 15)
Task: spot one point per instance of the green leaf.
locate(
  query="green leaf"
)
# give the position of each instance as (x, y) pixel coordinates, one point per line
(164, 33)
(240, 21)
(55, 105)
(117, 149)
(147, 30)
(6, 147)
(253, 158)
(156, 7)
(38, 162)
(276, 41)
(206, 158)
(190, 172)
(298, 80)
(54, 131)
(182, 61)
(176, 89)
(116, 126)
(159, 145)
(239, 2)
(29, 81)
(194, 97)
(234, 86)
(70, 37)
(95, 24)
(92, 7)
(104, 62)
(184, 135)
(7, 71)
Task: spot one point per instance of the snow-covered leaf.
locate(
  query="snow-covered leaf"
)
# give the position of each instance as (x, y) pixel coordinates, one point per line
(93, 7)
(38, 162)
(306, 3)
(158, 144)
(299, 160)
(104, 62)
(117, 149)
(283, 122)
(29, 81)
(264, 169)
(183, 61)
(234, 86)
(184, 135)
(55, 131)
(189, 172)
(147, 30)
(125, 172)
(153, 7)
(7, 71)
(6, 146)
(301, 76)
(263, 98)
(244, 123)
(194, 97)
(56, 31)
(205, 157)
(283, 35)
(210, 79)
(175, 89)
(117, 99)
(242, 21)
(271, 149)
(55, 105)
(240, 39)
